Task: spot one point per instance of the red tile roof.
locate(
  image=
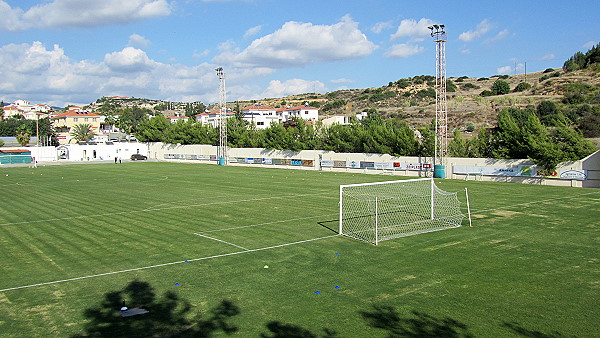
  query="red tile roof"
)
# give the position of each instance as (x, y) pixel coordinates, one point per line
(255, 107)
(71, 113)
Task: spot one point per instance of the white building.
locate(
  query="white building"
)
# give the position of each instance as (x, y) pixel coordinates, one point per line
(305, 112)
(342, 119)
(25, 109)
(337, 119)
(212, 118)
(262, 116)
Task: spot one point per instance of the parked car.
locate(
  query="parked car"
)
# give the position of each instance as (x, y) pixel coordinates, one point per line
(136, 157)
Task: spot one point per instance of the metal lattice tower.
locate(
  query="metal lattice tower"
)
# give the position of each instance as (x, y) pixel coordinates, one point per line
(222, 148)
(438, 33)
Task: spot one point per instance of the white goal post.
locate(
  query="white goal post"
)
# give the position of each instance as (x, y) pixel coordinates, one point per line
(374, 212)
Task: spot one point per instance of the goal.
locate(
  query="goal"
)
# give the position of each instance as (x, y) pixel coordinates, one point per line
(374, 212)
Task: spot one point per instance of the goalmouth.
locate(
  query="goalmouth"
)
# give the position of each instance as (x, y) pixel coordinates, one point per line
(374, 212)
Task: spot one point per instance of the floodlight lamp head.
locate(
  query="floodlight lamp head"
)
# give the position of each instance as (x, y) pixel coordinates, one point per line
(436, 27)
(430, 27)
(442, 26)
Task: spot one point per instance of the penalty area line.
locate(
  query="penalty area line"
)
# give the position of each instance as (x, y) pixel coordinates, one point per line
(222, 241)
(164, 264)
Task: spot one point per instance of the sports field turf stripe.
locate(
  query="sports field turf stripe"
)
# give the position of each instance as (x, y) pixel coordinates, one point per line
(533, 202)
(164, 208)
(165, 264)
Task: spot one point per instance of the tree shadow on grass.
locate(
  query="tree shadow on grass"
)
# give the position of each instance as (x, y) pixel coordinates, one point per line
(282, 330)
(421, 325)
(516, 328)
(167, 316)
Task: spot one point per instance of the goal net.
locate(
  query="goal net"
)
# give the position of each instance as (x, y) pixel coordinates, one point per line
(374, 212)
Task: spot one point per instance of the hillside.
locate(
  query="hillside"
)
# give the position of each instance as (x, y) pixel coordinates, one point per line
(415, 102)
(411, 99)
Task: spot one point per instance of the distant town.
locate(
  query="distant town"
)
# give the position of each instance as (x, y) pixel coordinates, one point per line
(102, 123)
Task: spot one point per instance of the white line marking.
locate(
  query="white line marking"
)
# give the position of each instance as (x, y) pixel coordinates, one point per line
(218, 240)
(164, 264)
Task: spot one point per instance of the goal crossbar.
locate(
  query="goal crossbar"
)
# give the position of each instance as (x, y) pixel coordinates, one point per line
(378, 211)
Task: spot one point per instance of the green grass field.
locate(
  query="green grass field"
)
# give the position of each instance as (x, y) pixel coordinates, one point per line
(70, 235)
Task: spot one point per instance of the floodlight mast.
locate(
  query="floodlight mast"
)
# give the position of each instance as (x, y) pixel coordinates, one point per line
(438, 33)
(222, 147)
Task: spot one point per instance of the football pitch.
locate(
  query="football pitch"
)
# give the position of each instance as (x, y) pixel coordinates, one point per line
(265, 241)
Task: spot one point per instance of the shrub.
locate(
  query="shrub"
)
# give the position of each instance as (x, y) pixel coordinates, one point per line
(548, 70)
(470, 127)
(521, 87)
(500, 87)
(450, 86)
(486, 93)
(403, 83)
(425, 93)
(482, 79)
(469, 85)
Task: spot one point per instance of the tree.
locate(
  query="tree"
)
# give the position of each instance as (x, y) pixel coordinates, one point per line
(522, 86)
(458, 147)
(82, 132)
(547, 111)
(23, 135)
(500, 87)
(155, 129)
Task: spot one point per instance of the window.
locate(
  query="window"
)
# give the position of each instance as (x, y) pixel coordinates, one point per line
(260, 123)
(74, 119)
(306, 112)
(85, 119)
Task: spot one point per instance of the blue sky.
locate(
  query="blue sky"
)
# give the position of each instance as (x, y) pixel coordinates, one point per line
(75, 51)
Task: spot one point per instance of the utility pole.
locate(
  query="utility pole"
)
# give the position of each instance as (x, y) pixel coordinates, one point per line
(222, 148)
(438, 33)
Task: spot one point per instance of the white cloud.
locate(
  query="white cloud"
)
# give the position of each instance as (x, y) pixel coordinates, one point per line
(11, 17)
(504, 70)
(252, 31)
(589, 45)
(415, 31)
(294, 86)
(46, 75)
(297, 44)
(482, 28)
(138, 40)
(201, 54)
(80, 13)
(381, 26)
(547, 57)
(341, 80)
(128, 60)
(501, 35)
(404, 50)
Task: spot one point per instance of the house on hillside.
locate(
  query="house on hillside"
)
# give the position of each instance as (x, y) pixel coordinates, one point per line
(176, 118)
(64, 122)
(305, 112)
(212, 118)
(263, 116)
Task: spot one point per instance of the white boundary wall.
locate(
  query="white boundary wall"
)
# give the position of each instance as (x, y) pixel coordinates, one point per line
(519, 171)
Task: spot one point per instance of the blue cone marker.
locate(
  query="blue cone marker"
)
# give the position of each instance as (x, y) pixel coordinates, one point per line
(337, 287)
(176, 284)
(337, 253)
(317, 292)
(185, 261)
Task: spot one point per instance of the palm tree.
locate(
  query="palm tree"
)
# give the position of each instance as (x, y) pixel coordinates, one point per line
(23, 135)
(82, 132)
